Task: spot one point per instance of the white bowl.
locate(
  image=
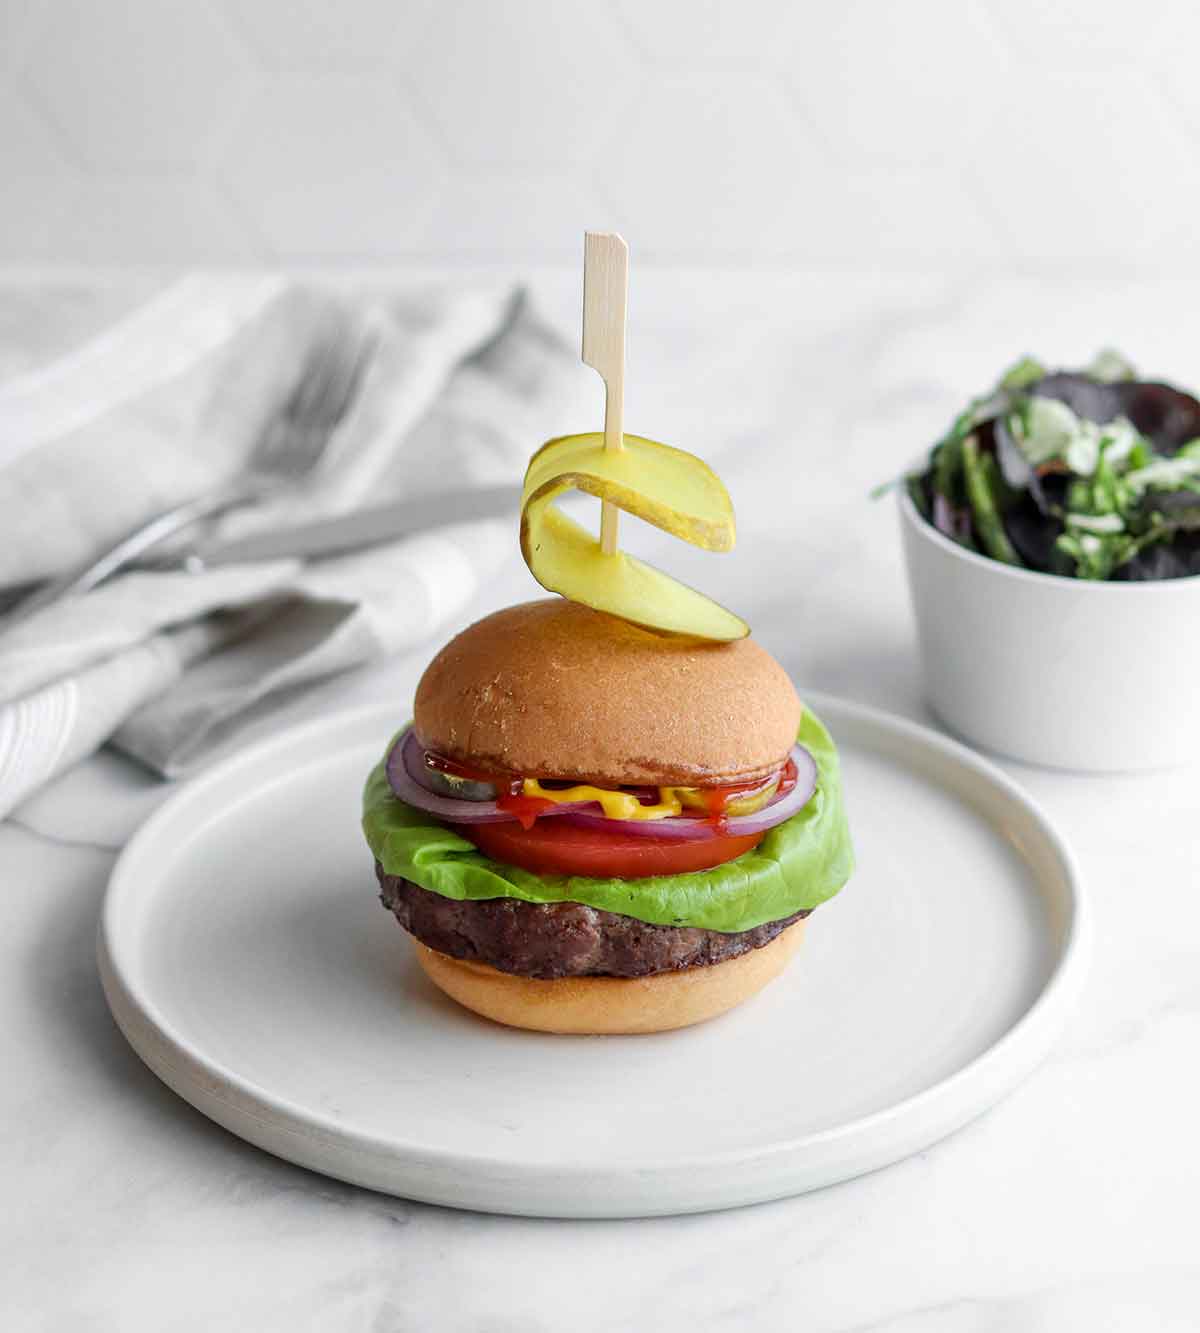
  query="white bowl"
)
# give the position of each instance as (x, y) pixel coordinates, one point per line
(1100, 677)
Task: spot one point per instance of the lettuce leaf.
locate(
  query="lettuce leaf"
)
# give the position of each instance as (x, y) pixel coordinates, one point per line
(799, 864)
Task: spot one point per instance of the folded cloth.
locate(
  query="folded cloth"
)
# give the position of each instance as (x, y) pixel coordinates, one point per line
(167, 404)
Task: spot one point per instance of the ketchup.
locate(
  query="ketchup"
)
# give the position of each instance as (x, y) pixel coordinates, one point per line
(526, 809)
(509, 794)
(718, 799)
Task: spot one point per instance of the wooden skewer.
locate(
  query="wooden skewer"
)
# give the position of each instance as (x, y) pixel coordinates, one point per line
(605, 292)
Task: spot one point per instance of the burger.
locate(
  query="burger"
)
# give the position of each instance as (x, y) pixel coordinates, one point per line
(594, 827)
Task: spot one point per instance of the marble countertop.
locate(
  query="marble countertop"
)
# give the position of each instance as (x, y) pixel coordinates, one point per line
(1069, 1206)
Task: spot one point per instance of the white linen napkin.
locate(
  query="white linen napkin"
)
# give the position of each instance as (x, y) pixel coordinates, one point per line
(166, 404)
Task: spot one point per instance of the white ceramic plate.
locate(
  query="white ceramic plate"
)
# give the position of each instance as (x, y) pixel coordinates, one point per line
(246, 958)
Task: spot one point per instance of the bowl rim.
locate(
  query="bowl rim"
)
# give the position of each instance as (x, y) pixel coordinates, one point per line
(1085, 587)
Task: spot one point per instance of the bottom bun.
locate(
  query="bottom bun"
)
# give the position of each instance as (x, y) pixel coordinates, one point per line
(595, 1005)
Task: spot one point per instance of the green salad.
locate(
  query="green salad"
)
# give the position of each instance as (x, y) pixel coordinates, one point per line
(1092, 474)
(798, 865)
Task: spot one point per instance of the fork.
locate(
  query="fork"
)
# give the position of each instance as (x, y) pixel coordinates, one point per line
(289, 447)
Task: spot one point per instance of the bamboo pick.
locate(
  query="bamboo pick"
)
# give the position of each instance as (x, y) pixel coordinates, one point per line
(605, 291)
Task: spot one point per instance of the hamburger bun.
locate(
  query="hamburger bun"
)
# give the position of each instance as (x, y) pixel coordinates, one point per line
(553, 689)
(610, 1005)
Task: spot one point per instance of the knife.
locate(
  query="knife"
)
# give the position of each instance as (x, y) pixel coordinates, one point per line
(326, 536)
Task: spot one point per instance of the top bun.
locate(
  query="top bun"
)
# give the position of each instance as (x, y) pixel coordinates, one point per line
(552, 689)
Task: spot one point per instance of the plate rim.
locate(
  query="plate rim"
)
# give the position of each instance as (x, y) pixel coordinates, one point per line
(144, 1025)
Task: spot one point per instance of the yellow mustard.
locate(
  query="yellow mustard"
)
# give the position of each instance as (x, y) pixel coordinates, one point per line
(615, 804)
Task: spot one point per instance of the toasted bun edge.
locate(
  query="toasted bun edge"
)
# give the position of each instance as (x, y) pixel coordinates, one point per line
(611, 1005)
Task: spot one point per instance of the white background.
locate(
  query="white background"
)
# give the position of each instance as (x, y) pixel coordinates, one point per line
(952, 134)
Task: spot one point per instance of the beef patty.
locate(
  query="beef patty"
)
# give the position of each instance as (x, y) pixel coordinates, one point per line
(549, 940)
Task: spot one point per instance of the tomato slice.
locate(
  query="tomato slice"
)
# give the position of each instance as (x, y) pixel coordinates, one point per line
(552, 846)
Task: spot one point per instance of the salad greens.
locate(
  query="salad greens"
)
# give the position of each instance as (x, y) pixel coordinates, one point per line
(799, 864)
(1093, 474)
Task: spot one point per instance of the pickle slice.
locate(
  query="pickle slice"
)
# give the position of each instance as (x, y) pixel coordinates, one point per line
(667, 487)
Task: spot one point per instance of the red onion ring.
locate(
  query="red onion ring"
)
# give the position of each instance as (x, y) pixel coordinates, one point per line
(405, 761)
(774, 812)
(405, 764)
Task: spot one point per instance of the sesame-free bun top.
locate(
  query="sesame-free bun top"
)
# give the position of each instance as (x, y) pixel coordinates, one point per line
(553, 689)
